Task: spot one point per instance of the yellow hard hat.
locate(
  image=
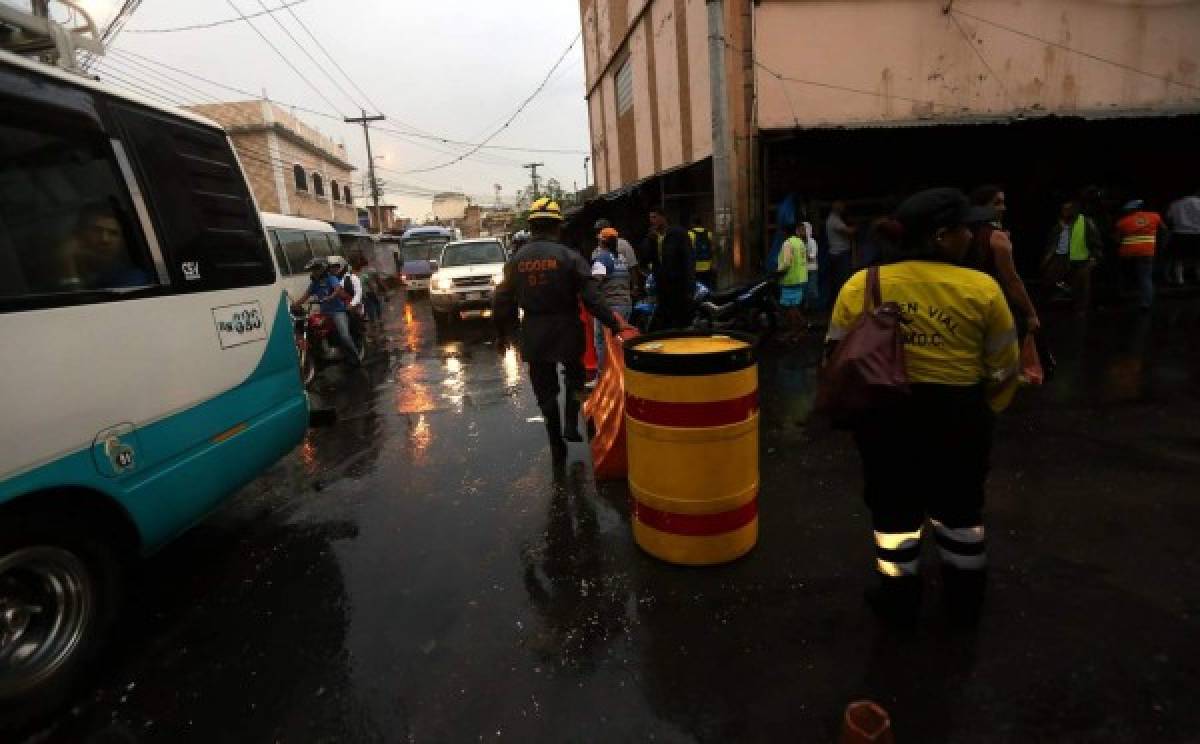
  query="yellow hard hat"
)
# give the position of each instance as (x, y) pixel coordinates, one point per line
(545, 208)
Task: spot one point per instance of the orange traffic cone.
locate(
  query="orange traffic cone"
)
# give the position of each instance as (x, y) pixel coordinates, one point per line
(866, 723)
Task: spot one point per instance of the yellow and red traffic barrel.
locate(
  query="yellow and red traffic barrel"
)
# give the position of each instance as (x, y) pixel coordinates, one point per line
(691, 407)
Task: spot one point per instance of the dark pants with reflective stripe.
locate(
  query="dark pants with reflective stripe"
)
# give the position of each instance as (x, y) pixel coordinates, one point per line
(927, 457)
(544, 376)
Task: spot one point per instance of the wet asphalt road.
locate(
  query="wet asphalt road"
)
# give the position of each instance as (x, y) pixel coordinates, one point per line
(419, 573)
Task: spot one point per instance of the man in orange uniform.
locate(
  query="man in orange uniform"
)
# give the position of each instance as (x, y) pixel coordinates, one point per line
(1138, 232)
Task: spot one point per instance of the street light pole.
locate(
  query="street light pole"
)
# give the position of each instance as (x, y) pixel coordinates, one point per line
(370, 160)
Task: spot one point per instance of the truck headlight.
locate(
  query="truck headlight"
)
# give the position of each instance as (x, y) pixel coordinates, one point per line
(443, 283)
(497, 279)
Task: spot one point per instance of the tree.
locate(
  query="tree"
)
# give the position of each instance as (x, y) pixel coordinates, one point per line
(554, 190)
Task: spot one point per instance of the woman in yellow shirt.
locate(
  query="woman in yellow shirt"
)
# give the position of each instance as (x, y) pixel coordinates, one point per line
(927, 456)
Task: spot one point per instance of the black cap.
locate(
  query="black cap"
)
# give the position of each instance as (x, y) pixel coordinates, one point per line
(943, 207)
(601, 224)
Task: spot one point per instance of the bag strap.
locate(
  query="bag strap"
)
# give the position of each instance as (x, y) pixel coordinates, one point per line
(874, 292)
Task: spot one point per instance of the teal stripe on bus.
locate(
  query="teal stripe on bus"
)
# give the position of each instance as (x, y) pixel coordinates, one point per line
(181, 473)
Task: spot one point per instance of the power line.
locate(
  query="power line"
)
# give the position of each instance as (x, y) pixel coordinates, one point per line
(512, 118)
(975, 48)
(332, 59)
(308, 54)
(211, 24)
(1072, 50)
(286, 61)
(145, 62)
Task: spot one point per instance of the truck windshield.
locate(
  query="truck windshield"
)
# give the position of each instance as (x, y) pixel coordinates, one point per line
(466, 254)
(423, 248)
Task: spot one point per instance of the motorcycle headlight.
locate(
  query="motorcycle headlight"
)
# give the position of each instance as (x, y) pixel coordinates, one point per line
(443, 283)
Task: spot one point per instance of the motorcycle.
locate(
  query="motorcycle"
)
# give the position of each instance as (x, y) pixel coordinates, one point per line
(642, 315)
(317, 341)
(752, 307)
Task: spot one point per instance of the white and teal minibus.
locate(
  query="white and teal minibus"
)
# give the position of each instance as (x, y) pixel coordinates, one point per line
(149, 369)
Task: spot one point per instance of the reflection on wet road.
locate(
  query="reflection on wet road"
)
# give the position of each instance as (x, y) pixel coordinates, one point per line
(420, 572)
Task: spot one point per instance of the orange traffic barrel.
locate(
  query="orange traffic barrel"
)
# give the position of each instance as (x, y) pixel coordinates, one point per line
(691, 408)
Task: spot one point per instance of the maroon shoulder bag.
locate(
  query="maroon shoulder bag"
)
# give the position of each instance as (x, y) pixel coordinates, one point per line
(866, 370)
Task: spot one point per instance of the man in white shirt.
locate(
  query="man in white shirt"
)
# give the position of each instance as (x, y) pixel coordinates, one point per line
(840, 237)
(1183, 216)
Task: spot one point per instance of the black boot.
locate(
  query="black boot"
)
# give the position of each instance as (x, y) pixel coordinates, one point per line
(570, 430)
(558, 448)
(897, 600)
(964, 591)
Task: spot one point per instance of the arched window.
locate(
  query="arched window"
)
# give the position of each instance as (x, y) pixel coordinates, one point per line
(318, 185)
(333, 191)
(301, 177)
(346, 193)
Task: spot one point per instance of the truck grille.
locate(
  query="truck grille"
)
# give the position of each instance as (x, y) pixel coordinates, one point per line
(473, 281)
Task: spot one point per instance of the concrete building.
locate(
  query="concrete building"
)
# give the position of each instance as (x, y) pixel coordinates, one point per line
(293, 168)
(384, 222)
(870, 100)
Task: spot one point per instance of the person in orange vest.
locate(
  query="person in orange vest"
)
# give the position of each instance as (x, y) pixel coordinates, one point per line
(1138, 232)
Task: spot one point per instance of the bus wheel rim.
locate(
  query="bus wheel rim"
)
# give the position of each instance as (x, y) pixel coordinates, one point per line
(46, 606)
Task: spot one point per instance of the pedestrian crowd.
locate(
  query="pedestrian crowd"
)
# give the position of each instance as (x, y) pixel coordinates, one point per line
(931, 330)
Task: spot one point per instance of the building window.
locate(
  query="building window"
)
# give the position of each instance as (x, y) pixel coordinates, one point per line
(625, 86)
(333, 191)
(318, 185)
(346, 193)
(301, 177)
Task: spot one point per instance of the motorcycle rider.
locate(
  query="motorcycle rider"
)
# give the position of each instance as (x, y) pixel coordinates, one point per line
(547, 280)
(328, 290)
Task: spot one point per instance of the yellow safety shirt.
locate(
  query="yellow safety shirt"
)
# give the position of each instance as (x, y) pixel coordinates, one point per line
(957, 328)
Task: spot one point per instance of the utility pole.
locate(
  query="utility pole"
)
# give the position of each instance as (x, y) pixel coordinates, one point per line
(586, 159)
(533, 176)
(364, 119)
(721, 144)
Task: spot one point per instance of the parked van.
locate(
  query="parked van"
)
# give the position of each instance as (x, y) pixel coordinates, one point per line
(151, 370)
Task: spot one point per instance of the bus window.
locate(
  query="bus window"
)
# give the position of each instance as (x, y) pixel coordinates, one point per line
(295, 247)
(321, 246)
(207, 224)
(280, 256)
(67, 228)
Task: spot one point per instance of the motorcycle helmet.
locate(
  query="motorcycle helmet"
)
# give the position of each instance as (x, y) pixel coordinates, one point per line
(316, 264)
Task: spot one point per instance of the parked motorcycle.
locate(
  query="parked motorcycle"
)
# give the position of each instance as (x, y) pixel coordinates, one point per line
(752, 307)
(317, 342)
(642, 315)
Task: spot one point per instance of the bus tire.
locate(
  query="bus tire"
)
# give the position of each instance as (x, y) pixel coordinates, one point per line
(308, 367)
(60, 592)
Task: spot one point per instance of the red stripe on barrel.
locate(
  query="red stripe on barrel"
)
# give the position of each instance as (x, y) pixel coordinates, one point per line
(688, 415)
(696, 525)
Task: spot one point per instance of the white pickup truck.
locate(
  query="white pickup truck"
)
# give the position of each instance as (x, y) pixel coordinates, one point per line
(467, 275)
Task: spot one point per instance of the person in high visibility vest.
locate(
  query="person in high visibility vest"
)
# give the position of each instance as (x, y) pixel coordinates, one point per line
(1138, 235)
(702, 249)
(793, 263)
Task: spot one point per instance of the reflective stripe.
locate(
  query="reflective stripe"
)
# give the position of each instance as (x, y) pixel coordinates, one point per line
(891, 568)
(961, 547)
(998, 343)
(897, 540)
(1129, 239)
(966, 562)
(974, 534)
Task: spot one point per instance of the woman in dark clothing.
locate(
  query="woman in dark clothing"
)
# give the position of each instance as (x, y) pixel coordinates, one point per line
(925, 457)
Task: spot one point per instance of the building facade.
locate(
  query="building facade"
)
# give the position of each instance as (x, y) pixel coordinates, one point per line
(825, 100)
(292, 168)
